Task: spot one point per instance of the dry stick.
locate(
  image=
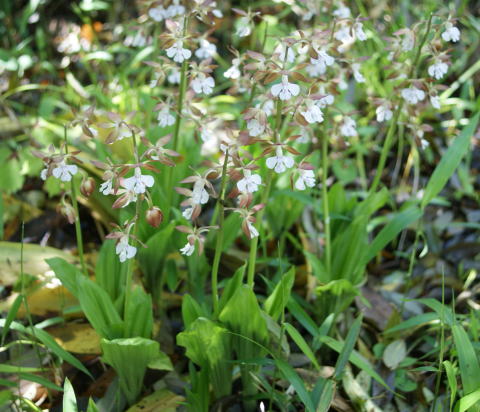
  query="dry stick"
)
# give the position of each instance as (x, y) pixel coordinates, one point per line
(219, 245)
(78, 229)
(396, 116)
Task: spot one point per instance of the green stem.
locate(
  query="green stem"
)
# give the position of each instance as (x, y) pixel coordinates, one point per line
(396, 116)
(442, 347)
(24, 294)
(326, 210)
(411, 264)
(78, 229)
(219, 245)
(129, 274)
(266, 193)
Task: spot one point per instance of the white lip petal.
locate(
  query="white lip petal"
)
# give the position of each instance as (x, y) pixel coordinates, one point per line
(280, 168)
(300, 184)
(256, 179)
(294, 89)
(131, 251)
(242, 185)
(129, 183)
(272, 162)
(277, 89)
(288, 161)
(148, 180)
(72, 169)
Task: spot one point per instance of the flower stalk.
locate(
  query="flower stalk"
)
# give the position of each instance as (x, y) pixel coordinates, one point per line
(78, 228)
(129, 274)
(326, 210)
(178, 123)
(396, 115)
(219, 244)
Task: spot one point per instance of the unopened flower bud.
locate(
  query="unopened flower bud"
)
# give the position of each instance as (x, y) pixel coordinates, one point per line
(87, 187)
(68, 211)
(154, 216)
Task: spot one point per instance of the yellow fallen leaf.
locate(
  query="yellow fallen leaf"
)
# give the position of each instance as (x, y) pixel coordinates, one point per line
(162, 400)
(77, 338)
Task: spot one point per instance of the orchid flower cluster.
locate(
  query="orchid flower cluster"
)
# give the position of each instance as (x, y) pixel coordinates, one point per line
(293, 102)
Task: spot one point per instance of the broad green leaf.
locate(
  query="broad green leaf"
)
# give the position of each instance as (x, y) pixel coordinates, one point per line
(452, 381)
(276, 302)
(450, 161)
(467, 359)
(394, 353)
(66, 272)
(130, 358)
(109, 272)
(399, 222)
(208, 345)
(348, 346)
(99, 309)
(292, 377)
(139, 315)
(49, 342)
(152, 258)
(92, 407)
(69, 400)
(161, 363)
(191, 310)
(241, 307)
(358, 360)
(302, 344)
(232, 285)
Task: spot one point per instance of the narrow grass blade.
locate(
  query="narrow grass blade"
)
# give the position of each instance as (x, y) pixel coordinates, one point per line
(348, 347)
(358, 360)
(452, 381)
(39, 379)
(326, 397)
(450, 161)
(444, 313)
(302, 344)
(292, 377)
(12, 313)
(391, 230)
(50, 343)
(413, 322)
